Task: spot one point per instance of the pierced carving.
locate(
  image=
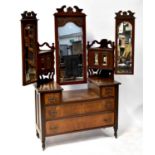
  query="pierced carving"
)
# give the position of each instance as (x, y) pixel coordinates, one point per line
(78, 9)
(103, 43)
(125, 14)
(92, 72)
(69, 10)
(28, 15)
(60, 10)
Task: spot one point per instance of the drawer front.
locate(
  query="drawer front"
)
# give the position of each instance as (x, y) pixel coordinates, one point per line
(79, 123)
(107, 91)
(52, 98)
(72, 109)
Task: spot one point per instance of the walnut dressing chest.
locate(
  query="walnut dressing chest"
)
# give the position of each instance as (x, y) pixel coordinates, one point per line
(59, 111)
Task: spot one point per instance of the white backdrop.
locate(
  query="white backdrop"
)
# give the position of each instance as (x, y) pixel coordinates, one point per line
(17, 119)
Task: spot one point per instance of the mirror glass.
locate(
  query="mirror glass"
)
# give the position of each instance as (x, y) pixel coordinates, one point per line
(124, 48)
(104, 60)
(70, 52)
(30, 54)
(96, 58)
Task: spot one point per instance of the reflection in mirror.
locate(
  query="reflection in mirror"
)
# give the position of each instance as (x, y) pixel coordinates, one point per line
(30, 64)
(104, 60)
(124, 48)
(96, 58)
(70, 52)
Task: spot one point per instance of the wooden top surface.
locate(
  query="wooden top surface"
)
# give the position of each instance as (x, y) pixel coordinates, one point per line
(54, 87)
(100, 82)
(49, 87)
(79, 95)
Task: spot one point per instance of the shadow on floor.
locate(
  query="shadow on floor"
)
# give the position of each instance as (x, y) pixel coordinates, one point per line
(79, 136)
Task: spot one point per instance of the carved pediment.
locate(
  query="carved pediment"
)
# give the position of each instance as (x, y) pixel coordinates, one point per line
(69, 10)
(125, 14)
(28, 15)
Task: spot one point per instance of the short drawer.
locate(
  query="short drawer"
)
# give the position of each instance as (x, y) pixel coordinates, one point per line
(107, 91)
(79, 123)
(52, 98)
(72, 109)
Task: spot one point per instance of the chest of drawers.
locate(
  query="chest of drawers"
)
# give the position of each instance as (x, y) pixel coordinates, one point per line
(59, 111)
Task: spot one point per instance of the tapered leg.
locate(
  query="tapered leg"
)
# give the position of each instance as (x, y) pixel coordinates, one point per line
(115, 132)
(43, 144)
(37, 134)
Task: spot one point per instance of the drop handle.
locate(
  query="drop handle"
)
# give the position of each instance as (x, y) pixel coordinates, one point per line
(106, 120)
(53, 112)
(53, 128)
(52, 99)
(109, 90)
(108, 105)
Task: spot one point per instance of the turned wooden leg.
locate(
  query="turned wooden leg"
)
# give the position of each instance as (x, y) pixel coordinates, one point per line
(115, 132)
(43, 144)
(37, 134)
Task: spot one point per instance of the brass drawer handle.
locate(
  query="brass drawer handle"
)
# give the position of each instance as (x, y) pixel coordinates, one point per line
(52, 99)
(53, 128)
(53, 112)
(108, 105)
(109, 91)
(107, 120)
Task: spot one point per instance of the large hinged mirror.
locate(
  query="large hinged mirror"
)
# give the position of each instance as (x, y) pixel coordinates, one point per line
(70, 39)
(125, 23)
(29, 36)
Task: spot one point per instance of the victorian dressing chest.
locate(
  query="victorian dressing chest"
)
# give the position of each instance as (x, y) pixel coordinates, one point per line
(57, 110)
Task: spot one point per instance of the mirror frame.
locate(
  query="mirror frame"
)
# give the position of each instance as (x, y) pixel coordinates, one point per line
(29, 18)
(126, 16)
(62, 16)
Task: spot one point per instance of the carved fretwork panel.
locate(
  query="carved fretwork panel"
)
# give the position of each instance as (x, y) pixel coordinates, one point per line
(101, 73)
(46, 64)
(101, 59)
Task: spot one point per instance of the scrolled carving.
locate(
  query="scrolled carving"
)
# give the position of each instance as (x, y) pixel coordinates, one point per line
(100, 73)
(78, 9)
(28, 15)
(47, 44)
(125, 14)
(60, 10)
(103, 43)
(69, 10)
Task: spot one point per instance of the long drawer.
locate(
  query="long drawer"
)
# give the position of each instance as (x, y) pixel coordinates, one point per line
(79, 123)
(72, 109)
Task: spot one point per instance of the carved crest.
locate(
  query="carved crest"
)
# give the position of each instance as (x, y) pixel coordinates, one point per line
(125, 14)
(103, 43)
(69, 10)
(28, 15)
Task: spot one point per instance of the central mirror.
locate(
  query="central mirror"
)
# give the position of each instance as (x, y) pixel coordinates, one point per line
(70, 45)
(71, 52)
